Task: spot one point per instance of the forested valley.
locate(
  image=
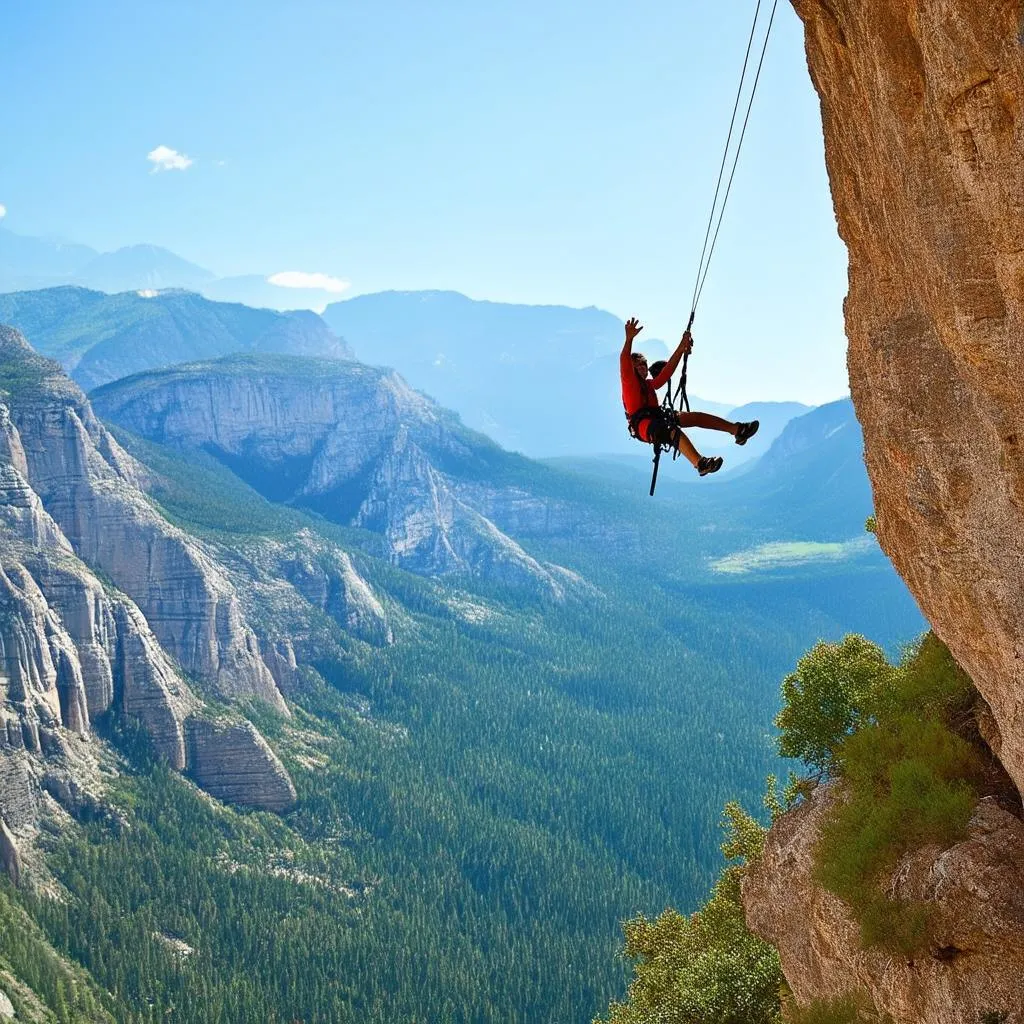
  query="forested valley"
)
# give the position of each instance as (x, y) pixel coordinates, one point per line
(481, 804)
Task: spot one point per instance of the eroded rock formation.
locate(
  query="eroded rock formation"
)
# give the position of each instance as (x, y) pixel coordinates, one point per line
(73, 647)
(232, 761)
(91, 489)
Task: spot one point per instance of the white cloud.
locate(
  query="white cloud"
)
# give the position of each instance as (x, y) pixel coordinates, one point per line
(300, 279)
(3, 211)
(147, 293)
(163, 158)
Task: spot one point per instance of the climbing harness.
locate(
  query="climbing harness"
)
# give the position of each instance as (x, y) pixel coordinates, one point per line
(668, 409)
(663, 415)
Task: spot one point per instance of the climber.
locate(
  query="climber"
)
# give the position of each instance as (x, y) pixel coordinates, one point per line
(649, 422)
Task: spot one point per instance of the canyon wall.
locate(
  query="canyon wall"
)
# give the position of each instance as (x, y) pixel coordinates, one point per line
(922, 113)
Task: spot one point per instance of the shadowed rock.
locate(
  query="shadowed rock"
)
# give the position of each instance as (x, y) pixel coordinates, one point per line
(10, 858)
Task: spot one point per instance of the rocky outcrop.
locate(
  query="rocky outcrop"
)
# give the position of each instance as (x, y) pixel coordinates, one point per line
(233, 762)
(923, 117)
(73, 647)
(10, 858)
(924, 124)
(975, 890)
(19, 782)
(325, 577)
(349, 441)
(91, 489)
(430, 530)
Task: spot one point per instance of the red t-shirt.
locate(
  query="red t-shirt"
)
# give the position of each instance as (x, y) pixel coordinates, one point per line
(637, 394)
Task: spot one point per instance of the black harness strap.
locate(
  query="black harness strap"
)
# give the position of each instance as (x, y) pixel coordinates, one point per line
(665, 414)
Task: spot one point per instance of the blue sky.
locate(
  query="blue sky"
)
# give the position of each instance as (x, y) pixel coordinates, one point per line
(544, 152)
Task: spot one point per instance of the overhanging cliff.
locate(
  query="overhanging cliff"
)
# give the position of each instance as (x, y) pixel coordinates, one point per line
(924, 138)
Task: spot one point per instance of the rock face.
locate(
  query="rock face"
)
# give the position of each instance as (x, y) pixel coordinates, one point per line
(924, 138)
(924, 134)
(232, 761)
(91, 489)
(976, 889)
(10, 858)
(325, 577)
(73, 647)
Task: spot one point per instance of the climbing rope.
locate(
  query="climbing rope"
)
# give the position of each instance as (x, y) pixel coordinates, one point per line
(669, 403)
(706, 252)
(711, 240)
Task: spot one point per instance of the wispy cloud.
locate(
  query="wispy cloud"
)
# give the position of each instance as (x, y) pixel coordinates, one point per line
(3, 211)
(163, 158)
(300, 279)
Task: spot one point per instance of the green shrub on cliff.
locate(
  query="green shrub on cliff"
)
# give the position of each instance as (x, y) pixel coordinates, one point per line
(835, 690)
(890, 734)
(707, 968)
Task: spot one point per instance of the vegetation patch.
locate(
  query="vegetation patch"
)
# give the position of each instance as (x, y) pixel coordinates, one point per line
(790, 554)
(40, 984)
(25, 375)
(900, 739)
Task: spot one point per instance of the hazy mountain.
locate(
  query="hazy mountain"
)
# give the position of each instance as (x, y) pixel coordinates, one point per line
(27, 262)
(543, 380)
(811, 484)
(139, 267)
(813, 476)
(773, 417)
(98, 337)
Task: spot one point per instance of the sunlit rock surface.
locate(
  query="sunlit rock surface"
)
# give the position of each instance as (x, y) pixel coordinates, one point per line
(921, 103)
(921, 106)
(74, 646)
(975, 961)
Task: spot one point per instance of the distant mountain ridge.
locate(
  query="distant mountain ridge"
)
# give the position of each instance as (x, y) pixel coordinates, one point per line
(823, 450)
(28, 263)
(98, 338)
(540, 379)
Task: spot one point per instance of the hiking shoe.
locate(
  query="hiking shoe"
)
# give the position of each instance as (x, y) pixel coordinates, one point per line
(745, 431)
(709, 464)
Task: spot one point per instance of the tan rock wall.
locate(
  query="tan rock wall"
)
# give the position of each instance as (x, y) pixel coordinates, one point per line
(924, 135)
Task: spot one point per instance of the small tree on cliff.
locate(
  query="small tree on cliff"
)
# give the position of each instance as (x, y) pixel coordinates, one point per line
(707, 968)
(834, 691)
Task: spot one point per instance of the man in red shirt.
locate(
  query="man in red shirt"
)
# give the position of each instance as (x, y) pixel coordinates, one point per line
(649, 422)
